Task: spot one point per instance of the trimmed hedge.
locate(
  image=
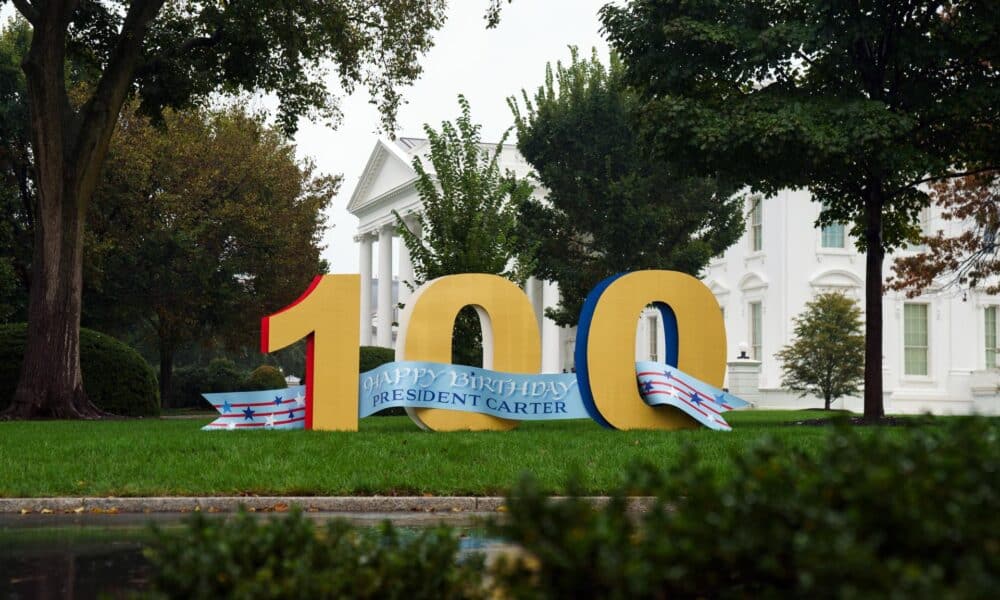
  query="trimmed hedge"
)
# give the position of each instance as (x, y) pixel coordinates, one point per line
(115, 377)
(189, 383)
(373, 357)
(265, 377)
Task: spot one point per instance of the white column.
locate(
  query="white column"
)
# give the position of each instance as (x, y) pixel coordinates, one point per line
(551, 362)
(365, 262)
(384, 315)
(406, 263)
(533, 288)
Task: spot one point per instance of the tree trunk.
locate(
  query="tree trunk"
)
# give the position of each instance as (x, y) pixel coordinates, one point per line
(827, 402)
(873, 303)
(68, 147)
(51, 382)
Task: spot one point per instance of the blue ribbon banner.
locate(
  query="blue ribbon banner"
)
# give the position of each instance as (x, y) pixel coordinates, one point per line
(410, 384)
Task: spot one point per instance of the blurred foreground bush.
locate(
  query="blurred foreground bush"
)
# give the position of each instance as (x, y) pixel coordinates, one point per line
(878, 512)
(909, 513)
(115, 377)
(290, 557)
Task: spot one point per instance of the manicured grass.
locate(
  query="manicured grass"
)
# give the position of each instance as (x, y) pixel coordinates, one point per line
(388, 456)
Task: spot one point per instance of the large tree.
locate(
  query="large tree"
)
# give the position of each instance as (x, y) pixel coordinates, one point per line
(861, 102)
(611, 206)
(202, 224)
(174, 54)
(468, 220)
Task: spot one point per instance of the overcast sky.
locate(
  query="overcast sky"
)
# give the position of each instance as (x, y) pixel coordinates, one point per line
(485, 65)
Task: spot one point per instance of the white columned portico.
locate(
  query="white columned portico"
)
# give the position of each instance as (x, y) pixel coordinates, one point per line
(383, 319)
(406, 262)
(550, 331)
(365, 266)
(533, 288)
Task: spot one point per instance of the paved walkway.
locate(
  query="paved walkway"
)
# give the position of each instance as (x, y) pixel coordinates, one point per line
(214, 504)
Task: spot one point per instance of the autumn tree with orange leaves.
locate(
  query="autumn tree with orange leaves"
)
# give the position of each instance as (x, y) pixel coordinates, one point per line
(970, 259)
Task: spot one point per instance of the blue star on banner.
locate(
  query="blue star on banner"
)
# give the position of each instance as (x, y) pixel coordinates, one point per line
(647, 387)
(257, 409)
(695, 398)
(668, 375)
(720, 399)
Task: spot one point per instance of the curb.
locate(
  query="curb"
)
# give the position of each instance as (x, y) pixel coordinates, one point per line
(228, 504)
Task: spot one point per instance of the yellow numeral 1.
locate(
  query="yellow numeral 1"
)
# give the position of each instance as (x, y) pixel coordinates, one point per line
(327, 316)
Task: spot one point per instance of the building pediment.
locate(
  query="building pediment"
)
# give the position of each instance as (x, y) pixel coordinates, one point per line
(718, 288)
(752, 281)
(387, 170)
(836, 279)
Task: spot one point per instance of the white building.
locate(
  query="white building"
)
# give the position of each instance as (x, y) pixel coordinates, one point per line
(940, 350)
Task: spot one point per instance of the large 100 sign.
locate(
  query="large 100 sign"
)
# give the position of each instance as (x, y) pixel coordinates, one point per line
(608, 386)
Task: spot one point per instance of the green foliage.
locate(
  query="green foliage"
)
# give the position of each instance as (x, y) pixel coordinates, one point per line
(115, 378)
(189, 51)
(12, 293)
(230, 229)
(177, 55)
(288, 557)
(375, 356)
(190, 382)
(862, 103)
(468, 221)
(265, 377)
(867, 515)
(848, 99)
(15, 175)
(612, 206)
(826, 359)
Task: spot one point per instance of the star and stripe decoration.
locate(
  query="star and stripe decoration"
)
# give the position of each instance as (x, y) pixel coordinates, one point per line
(661, 384)
(265, 409)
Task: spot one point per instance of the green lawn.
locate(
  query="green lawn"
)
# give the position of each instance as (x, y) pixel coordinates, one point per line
(388, 456)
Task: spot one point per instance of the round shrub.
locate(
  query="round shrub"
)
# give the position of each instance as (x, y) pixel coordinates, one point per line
(115, 377)
(190, 382)
(375, 356)
(265, 377)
